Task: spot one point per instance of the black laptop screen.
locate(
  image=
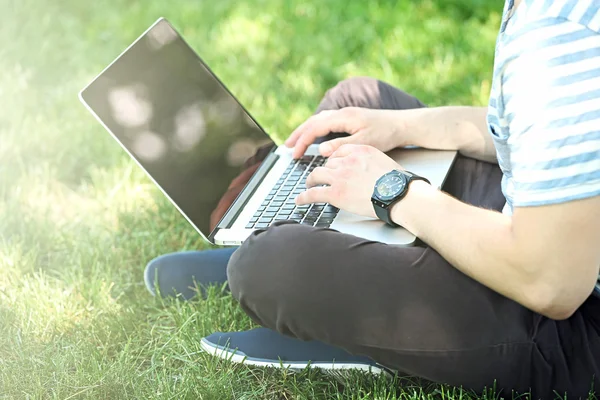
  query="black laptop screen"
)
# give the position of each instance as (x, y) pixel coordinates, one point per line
(179, 123)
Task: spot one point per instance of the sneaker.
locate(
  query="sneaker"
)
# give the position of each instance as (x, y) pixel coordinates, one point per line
(266, 348)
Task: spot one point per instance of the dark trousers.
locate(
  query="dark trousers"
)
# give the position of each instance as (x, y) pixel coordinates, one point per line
(406, 307)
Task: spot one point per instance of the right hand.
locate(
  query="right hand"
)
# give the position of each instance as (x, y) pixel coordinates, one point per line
(381, 129)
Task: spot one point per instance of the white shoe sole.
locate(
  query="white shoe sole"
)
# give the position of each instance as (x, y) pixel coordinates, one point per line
(240, 358)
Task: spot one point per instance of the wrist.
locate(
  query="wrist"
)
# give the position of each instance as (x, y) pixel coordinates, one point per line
(403, 211)
(409, 126)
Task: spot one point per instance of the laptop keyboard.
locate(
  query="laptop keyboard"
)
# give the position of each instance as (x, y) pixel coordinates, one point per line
(279, 204)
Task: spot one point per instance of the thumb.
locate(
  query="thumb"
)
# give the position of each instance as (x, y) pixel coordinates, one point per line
(327, 148)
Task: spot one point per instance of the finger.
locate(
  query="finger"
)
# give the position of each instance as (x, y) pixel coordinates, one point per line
(319, 194)
(291, 141)
(327, 148)
(317, 128)
(320, 176)
(333, 163)
(345, 150)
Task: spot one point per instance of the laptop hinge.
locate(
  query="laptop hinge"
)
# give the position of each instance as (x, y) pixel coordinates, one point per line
(245, 195)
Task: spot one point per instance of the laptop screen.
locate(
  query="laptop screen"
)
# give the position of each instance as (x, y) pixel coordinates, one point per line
(180, 123)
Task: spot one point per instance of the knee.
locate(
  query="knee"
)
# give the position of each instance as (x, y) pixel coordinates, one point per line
(354, 85)
(272, 263)
(355, 81)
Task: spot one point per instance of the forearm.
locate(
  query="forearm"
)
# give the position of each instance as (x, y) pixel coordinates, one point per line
(483, 245)
(451, 128)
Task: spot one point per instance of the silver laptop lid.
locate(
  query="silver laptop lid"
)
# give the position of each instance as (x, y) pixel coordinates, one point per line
(179, 122)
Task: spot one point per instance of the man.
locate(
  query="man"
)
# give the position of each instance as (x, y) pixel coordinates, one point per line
(505, 286)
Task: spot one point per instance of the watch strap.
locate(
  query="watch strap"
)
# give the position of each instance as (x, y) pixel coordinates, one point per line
(414, 177)
(385, 215)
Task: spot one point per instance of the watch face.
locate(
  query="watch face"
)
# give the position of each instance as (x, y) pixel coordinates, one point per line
(390, 186)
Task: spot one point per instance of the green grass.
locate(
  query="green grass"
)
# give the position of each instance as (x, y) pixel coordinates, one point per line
(78, 220)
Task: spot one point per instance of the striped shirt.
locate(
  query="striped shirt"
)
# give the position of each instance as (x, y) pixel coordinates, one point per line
(544, 109)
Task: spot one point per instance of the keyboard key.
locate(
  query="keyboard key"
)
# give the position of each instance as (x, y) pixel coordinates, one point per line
(261, 225)
(317, 207)
(276, 203)
(285, 212)
(328, 215)
(308, 222)
(269, 197)
(322, 224)
(326, 218)
(257, 214)
(330, 208)
(261, 208)
(265, 220)
(287, 207)
(295, 218)
(253, 219)
(272, 209)
(281, 218)
(269, 214)
(265, 203)
(250, 225)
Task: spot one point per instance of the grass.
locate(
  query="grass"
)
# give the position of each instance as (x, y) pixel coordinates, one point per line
(78, 220)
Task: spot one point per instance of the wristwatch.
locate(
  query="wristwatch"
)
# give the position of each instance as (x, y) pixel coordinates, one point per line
(389, 189)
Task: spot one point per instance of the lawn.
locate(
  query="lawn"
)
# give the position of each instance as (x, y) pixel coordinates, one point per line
(79, 221)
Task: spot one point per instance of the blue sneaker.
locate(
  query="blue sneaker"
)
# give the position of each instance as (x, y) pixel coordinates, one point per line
(266, 348)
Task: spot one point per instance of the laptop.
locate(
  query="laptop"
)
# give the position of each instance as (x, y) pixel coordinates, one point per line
(209, 156)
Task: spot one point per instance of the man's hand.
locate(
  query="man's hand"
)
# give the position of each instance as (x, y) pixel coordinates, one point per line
(378, 128)
(440, 128)
(350, 173)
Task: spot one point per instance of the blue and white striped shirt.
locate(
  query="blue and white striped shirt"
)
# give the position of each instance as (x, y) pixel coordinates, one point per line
(544, 110)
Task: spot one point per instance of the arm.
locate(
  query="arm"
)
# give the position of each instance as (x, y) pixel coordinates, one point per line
(443, 128)
(450, 128)
(545, 258)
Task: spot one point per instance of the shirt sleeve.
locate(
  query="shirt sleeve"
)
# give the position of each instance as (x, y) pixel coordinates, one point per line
(551, 102)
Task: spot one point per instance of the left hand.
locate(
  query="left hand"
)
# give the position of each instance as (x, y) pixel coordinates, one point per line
(350, 173)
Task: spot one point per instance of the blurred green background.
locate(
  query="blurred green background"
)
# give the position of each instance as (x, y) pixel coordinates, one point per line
(79, 221)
